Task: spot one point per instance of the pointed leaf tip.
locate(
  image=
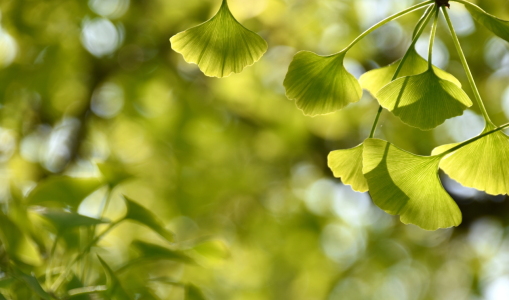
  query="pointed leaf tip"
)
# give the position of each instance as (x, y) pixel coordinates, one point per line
(220, 46)
(140, 214)
(347, 165)
(320, 84)
(423, 101)
(482, 165)
(408, 185)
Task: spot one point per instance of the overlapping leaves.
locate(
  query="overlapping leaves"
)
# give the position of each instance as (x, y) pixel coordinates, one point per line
(221, 45)
(408, 185)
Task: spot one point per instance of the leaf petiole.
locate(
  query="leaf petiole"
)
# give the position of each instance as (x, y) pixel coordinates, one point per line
(419, 28)
(464, 62)
(432, 39)
(387, 20)
(465, 143)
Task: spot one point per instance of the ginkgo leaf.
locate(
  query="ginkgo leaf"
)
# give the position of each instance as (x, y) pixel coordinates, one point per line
(140, 214)
(34, 285)
(374, 80)
(320, 84)
(497, 26)
(408, 185)
(424, 101)
(221, 45)
(347, 165)
(483, 164)
(153, 251)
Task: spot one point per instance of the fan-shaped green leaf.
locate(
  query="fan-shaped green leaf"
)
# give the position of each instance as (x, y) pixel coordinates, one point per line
(483, 164)
(220, 46)
(138, 213)
(408, 185)
(64, 220)
(374, 80)
(62, 191)
(347, 165)
(115, 289)
(497, 26)
(424, 101)
(320, 84)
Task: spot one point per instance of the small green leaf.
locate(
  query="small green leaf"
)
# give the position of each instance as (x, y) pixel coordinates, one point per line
(194, 293)
(347, 165)
(423, 101)
(483, 164)
(33, 284)
(17, 244)
(497, 26)
(408, 185)
(221, 45)
(62, 191)
(64, 220)
(152, 251)
(113, 172)
(320, 84)
(115, 289)
(138, 213)
(374, 80)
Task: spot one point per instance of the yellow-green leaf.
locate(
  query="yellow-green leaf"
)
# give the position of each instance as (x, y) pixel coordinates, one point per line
(221, 45)
(497, 26)
(140, 214)
(347, 165)
(483, 164)
(63, 191)
(424, 101)
(408, 185)
(374, 80)
(320, 84)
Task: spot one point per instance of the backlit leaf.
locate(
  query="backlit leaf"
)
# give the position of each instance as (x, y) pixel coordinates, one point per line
(115, 289)
(423, 101)
(63, 191)
(374, 80)
(408, 185)
(483, 164)
(152, 251)
(320, 84)
(221, 45)
(497, 26)
(347, 165)
(138, 213)
(64, 220)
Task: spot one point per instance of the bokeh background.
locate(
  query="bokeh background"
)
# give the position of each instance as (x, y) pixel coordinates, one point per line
(231, 160)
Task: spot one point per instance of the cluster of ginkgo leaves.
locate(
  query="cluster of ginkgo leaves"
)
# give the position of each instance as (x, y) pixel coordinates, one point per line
(420, 94)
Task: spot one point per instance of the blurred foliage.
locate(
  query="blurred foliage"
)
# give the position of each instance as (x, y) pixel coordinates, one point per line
(97, 109)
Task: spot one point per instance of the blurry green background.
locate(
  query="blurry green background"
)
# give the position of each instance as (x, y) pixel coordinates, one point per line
(86, 82)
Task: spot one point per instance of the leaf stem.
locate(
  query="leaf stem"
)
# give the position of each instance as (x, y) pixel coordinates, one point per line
(465, 143)
(464, 62)
(417, 33)
(432, 39)
(387, 20)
